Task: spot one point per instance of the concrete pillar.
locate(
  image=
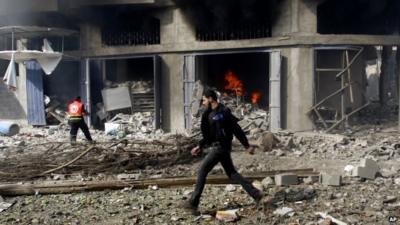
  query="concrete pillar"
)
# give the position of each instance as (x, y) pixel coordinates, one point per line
(298, 75)
(175, 27)
(90, 36)
(21, 89)
(296, 16)
(172, 93)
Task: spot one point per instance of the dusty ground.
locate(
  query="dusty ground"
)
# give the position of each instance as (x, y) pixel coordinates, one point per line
(357, 201)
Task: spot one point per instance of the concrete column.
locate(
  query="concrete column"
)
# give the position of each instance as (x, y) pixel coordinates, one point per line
(296, 16)
(172, 93)
(298, 84)
(175, 27)
(21, 89)
(90, 36)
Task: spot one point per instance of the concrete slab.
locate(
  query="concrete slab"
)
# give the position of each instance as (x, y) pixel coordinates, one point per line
(330, 179)
(286, 179)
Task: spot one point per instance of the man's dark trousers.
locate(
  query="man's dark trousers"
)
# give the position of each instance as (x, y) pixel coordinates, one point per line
(75, 125)
(223, 155)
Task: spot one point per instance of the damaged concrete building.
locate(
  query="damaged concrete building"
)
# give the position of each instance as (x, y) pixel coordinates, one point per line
(315, 63)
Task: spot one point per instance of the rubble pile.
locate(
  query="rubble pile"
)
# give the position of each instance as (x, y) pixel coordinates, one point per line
(26, 161)
(141, 86)
(359, 182)
(139, 125)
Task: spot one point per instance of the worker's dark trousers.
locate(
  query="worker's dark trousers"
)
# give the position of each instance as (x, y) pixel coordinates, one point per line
(75, 125)
(216, 155)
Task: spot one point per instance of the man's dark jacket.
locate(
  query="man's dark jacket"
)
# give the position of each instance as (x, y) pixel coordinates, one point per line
(225, 127)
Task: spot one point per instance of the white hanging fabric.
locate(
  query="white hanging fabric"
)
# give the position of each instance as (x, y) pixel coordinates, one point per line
(10, 77)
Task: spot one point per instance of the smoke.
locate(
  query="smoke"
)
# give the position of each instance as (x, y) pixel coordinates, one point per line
(209, 14)
(359, 17)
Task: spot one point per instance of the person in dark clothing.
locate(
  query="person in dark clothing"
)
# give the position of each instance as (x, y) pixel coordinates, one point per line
(218, 126)
(76, 111)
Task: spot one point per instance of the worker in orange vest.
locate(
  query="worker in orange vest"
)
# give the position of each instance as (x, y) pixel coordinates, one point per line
(76, 111)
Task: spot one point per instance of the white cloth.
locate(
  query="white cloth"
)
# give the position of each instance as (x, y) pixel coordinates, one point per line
(10, 77)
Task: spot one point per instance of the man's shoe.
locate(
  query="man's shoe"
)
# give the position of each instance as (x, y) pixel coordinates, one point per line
(188, 206)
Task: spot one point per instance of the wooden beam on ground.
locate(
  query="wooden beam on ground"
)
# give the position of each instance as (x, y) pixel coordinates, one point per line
(74, 186)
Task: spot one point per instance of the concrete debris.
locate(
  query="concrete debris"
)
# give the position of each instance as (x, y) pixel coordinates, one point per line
(203, 217)
(369, 201)
(349, 169)
(331, 179)
(266, 182)
(326, 216)
(294, 194)
(368, 169)
(257, 184)
(124, 176)
(286, 179)
(4, 205)
(267, 141)
(230, 188)
(227, 215)
(311, 179)
(284, 211)
(139, 125)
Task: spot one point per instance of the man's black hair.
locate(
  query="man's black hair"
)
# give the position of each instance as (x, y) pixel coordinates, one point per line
(78, 98)
(210, 93)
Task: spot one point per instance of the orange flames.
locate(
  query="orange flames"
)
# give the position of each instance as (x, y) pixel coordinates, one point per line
(234, 83)
(255, 97)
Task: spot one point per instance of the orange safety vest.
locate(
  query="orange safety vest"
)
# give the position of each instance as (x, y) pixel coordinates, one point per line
(75, 109)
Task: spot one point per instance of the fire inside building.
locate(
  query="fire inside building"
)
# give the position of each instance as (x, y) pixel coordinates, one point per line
(308, 64)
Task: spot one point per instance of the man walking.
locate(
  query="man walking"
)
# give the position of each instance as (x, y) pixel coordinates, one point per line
(76, 111)
(218, 126)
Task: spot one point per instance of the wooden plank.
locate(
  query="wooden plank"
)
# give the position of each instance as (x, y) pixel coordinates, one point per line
(349, 78)
(326, 98)
(346, 117)
(77, 186)
(321, 118)
(351, 63)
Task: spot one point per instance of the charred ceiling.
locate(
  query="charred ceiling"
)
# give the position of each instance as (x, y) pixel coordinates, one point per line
(359, 17)
(124, 25)
(230, 19)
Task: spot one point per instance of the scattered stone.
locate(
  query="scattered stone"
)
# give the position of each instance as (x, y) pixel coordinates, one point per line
(286, 179)
(331, 180)
(125, 176)
(367, 169)
(227, 216)
(266, 182)
(257, 184)
(311, 179)
(230, 188)
(326, 216)
(268, 141)
(284, 211)
(349, 169)
(5, 205)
